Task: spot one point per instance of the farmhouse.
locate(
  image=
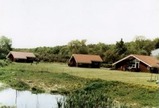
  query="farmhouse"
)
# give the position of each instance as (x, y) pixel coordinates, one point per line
(83, 60)
(21, 56)
(138, 63)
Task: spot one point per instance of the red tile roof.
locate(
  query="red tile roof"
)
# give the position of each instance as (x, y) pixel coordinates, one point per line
(83, 58)
(21, 55)
(148, 60)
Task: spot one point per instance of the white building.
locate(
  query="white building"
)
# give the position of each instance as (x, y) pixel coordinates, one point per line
(155, 53)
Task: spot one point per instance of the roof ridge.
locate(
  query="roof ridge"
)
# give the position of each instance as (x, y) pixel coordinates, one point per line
(149, 60)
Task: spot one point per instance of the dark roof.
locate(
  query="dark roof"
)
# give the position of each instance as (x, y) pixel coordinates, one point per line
(21, 55)
(84, 58)
(148, 60)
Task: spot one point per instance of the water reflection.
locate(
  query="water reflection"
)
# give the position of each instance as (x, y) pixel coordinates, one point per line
(25, 99)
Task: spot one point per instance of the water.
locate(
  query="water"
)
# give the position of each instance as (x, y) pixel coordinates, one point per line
(25, 99)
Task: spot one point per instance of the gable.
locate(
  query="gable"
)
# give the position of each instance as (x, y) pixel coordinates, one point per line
(147, 60)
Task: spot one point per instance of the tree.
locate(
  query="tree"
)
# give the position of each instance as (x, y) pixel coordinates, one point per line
(120, 47)
(143, 46)
(156, 42)
(131, 48)
(148, 46)
(139, 43)
(110, 56)
(98, 49)
(78, 47)
(5, 46)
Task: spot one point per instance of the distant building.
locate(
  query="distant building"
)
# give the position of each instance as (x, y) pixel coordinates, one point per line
(155, 52)
(21, 56)
(84, 60)
(137, 63)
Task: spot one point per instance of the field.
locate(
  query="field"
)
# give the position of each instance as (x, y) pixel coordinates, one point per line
(59, 78)
(102, 73)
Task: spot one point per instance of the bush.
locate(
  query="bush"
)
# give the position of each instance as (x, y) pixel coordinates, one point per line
(106, 65)
(93, 86)
(3, 63)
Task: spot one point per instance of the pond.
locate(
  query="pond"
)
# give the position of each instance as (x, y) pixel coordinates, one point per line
(25, 99)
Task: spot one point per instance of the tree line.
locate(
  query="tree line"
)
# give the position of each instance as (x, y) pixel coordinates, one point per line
(108, 52)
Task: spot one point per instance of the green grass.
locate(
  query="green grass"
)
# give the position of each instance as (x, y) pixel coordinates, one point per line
(127, 87)
(104, 74)
(26, 76)
(99, 93)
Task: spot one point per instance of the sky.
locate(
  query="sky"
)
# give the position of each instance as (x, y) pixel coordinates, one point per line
(35, 23)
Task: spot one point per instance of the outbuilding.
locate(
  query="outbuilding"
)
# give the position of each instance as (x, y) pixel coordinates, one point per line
(155, 53)
(15, 56)
(85, 60)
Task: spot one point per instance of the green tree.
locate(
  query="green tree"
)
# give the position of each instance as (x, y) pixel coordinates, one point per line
(98, 49)
(78, 47)
(143, 46)
(156, 42)
(131, 48)
(120, 49)
(5, 46)
(139, 43)
(110, 56)
(148, 46)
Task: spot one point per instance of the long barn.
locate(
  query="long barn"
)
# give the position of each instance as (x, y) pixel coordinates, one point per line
(15, 56)
(84, 60)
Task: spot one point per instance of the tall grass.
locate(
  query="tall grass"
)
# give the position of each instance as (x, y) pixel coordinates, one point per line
(111, 94)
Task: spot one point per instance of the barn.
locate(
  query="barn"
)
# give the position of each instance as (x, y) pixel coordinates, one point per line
(84, 60)
(137, 63)
(26, 57)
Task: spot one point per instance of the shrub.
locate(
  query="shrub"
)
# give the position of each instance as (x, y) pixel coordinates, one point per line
(106, 65)
(3, 63)
(93, 86)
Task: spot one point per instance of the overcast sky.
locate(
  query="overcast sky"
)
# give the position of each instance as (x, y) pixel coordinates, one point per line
(33, 23)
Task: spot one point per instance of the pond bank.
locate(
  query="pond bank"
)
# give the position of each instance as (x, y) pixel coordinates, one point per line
(131, 96)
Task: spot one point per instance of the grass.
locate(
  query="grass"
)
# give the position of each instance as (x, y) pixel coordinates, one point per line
(7, 106)
(99, 94)
(104, 74)
(127, 87)
(38, 79)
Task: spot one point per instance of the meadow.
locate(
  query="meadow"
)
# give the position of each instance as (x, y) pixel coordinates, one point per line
(141, 78)
(127, 87)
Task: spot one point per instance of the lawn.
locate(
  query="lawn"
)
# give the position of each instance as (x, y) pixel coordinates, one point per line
(141, 78)
(128, 87)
